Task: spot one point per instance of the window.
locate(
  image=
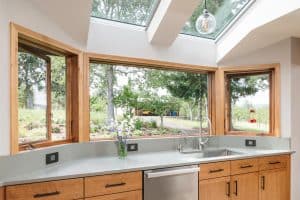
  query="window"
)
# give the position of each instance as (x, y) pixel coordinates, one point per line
(225, 12)
(134, 12)
(44, 91)
(42, 97)
(250, 102)
(145, 102)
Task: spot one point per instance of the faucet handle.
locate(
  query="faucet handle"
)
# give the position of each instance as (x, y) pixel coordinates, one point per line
(180, 147)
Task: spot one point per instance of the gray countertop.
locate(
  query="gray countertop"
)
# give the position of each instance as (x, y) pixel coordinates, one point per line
(92, 166)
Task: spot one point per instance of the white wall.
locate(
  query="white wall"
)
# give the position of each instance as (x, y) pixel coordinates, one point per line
(259, 13)
(124, 40)
(23, 13)
(295, 115)
(287, 53)
(277, 53)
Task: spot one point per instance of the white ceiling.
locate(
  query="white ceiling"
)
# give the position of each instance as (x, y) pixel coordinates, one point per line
(73, 16)
(281, 28)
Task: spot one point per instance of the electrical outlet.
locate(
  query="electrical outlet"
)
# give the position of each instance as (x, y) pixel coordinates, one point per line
(250, 143)
(132, 147)
(52, 158)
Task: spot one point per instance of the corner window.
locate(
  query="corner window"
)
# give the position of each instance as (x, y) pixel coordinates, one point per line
(44, 91)
(250, 102)
(145, 102)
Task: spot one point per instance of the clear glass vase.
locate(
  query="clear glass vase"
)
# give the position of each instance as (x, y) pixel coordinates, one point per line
(122, 147)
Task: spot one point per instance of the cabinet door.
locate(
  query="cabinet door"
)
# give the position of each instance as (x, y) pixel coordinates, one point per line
(215, 189)
(245, 187)
(1, 193)
(274, 185)
(134, 195)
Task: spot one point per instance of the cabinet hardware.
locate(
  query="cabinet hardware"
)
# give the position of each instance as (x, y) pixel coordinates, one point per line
(46, 194)
(274, 163)
(228, 189)
(263, 182)
(216, 171)
(236, 188)
(115, 185)
(246, 166)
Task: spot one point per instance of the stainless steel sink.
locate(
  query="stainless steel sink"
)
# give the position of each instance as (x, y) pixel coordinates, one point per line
(211, 153)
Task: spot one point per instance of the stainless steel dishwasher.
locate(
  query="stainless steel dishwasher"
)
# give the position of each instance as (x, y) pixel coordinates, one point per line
(178, 183)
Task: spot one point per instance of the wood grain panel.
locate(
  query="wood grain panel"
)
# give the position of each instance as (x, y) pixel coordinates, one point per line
(214, 170)
(274, 184)
(133, 195)
(2, 197)
(115, 183)
(64, 189)
(215, 189)
(244, 166)
(245, 187)
(273, 162)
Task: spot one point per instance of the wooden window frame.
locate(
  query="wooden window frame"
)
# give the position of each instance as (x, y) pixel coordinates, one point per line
(74, 62)
(144, 63)
(274, 71)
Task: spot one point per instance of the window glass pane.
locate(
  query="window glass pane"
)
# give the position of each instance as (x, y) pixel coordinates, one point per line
(32, 99)
(137, 12)
(146, 102)
(250, 103)
(58, 97)
(224, 11)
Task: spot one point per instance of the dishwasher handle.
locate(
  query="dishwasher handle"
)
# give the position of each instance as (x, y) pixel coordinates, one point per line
(172, 172)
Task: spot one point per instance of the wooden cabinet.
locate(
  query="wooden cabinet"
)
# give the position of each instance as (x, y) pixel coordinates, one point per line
(214, 170)
(274, 184)
(64, 189)
(245, 187)
(1, 193)
(244, 166)
(215, 189)
(133, 195)
(266, 178)
(110, 184)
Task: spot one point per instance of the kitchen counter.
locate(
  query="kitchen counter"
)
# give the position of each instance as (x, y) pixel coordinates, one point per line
(100, 165)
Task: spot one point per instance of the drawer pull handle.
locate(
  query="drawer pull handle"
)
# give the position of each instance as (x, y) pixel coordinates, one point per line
(228, 189)
(216, 171)
(115, 185)
(246, 166)
(46, 194)
(236, 188)
(274, 163)
(263, 182)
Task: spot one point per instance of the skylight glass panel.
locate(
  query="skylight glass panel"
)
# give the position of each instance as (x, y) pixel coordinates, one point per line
(225, 12)
(136, 12)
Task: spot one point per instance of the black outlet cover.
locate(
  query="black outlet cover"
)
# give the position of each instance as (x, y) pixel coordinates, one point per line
(250, 143)
(52, 158)
(132, 147)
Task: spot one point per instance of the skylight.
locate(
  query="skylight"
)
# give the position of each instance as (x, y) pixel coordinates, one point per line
(225, 12)
(136, 12)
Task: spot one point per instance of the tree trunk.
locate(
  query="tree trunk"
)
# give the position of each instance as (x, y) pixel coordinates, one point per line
(161, 121)
(190, 111)
(110, 94)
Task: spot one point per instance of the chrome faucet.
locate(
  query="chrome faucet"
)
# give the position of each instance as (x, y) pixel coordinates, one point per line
(201, 141)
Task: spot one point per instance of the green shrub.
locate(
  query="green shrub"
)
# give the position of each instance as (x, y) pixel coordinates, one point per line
(138, 124)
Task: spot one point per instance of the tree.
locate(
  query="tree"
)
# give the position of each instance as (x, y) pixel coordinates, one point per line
(130, 11)
(32, 73)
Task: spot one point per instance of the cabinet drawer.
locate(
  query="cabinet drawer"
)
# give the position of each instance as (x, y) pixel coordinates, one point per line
(273, 162)
(64, 189)
(134, 195)
(244, 166)
(214, 170)
(115, 183)
(1, 193)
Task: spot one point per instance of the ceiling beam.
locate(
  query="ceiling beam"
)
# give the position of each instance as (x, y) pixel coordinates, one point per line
(168, 20)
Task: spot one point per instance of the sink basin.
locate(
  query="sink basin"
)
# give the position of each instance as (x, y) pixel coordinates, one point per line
(211, 153)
